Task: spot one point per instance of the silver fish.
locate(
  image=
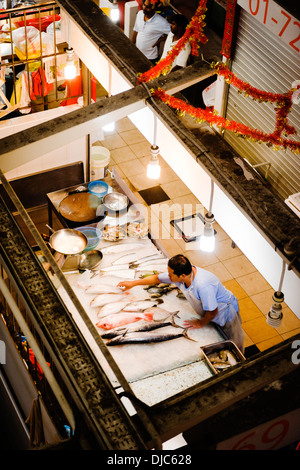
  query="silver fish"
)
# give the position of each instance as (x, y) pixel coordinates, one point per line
(103, 299)
(160, 314)
(111, 308)
(159, 268)
(102, 289)
(141, 305)
(114, 268)
(163, 260)
(119, 247)
(147, 327)
(125, 259)
(147, 259)
(221, 365)
(140, 338)
(124, 274)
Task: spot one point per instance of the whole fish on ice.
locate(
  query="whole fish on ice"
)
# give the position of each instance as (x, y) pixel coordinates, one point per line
(103, 299)
(118, 248)
(146, 327)
(161, 268)
(140, 338)
(140, 305)
(112, 308)
(102, 289)
(122, 318)
(114, 268)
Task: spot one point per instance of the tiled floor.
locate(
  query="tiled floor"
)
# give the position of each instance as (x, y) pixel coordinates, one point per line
(130, 153)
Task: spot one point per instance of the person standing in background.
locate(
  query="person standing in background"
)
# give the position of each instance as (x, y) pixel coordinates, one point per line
(148, 29)
(178, 27)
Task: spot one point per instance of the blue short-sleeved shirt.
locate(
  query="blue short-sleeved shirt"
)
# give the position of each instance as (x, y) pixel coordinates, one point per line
(207, 288)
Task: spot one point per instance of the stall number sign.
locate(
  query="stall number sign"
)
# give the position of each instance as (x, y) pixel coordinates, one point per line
(271, 435)
(276, 19)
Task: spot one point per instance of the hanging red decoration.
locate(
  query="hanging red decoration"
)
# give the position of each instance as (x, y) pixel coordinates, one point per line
(283, 102)
(241, 129)
(228, 28)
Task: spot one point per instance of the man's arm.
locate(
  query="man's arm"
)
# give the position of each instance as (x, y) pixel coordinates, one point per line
(134, 37)
(146, 281)
(199, 323)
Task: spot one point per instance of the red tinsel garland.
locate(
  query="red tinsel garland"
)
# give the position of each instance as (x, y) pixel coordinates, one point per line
(283, 102)
(209, 116)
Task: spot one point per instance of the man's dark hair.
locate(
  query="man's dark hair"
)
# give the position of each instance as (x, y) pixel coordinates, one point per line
(180, 20)
(152, 5)
(180, 265)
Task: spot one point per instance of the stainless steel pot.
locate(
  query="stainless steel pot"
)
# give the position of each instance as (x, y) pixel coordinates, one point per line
(115, 204)
(90, 259)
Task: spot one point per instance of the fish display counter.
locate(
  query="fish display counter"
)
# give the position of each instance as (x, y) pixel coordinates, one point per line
(142, 328)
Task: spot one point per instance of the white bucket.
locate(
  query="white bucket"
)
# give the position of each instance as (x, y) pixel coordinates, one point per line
(100, 157)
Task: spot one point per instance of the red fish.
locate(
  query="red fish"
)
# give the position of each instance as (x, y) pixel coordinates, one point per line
(123, 318)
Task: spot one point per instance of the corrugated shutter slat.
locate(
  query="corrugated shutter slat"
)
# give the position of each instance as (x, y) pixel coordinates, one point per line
(268, 64)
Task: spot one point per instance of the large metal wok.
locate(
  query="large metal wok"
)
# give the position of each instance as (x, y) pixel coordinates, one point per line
(80, 207)
(68, 241)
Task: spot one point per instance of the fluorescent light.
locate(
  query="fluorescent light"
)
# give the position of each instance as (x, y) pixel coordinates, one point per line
(70, 69)
(153, 167)
(207, 240)
(109, 127)
(153, 170)
(114, 12)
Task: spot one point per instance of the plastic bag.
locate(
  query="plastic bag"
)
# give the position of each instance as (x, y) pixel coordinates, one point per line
(34, 38)
(208, 94)
(38, 23)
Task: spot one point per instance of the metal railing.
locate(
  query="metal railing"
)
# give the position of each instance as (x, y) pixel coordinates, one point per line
(35, 55)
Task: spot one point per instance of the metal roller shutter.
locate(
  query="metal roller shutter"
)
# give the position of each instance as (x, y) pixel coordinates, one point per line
(264, 61)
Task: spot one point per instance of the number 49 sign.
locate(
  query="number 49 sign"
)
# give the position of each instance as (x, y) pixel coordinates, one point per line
(276, 19)
(271, 435)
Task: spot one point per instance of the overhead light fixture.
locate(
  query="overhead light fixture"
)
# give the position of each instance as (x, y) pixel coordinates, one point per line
(275, 315)
(207, 239)
(70, 69)
(114, 12)
(153, 168)
(109, 127)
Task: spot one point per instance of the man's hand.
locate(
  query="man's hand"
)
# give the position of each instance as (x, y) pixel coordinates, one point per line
(126, 285)
(162, 38)
(193, 324)
(199, 323)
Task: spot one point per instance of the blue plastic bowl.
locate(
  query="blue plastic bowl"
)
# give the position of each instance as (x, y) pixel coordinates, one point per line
(93, 236)
(98, 188)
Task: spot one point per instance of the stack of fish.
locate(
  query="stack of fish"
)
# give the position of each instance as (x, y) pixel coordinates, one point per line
(131, 262)
(117, 309)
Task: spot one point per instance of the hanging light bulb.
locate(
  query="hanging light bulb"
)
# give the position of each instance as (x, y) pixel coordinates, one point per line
(114, 12)
(274, 317)
(109, 127)
(207, 239)
(153, 168)
(70, 69)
